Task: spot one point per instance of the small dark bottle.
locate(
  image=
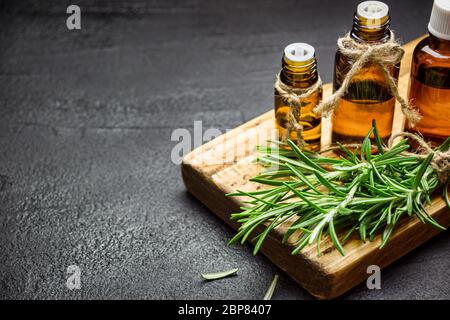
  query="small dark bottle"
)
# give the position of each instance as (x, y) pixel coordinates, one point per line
(429, 86)
(299, 73)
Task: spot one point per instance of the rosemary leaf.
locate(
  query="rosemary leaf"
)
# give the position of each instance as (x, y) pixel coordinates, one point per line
(271, 289)
(219, 275)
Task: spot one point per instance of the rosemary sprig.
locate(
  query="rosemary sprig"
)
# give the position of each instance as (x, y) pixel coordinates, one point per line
(323, 196)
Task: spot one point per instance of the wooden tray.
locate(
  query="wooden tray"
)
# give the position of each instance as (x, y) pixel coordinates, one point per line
(225, 164)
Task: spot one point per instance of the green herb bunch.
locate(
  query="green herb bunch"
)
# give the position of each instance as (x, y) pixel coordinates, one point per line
(320, 196)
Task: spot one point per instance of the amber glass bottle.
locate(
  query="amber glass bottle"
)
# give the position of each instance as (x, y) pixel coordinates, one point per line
(429, 86)
(368, 96)
(299, 72)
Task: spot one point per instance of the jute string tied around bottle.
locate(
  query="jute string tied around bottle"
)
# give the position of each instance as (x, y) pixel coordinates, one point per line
(385, 55)
(294, 97)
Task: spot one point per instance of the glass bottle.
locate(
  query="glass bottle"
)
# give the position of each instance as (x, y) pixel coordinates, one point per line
(368, 96)
(429, 86)
(299, 73)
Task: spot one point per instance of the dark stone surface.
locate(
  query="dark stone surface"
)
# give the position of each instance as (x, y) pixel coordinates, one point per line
(85, 124)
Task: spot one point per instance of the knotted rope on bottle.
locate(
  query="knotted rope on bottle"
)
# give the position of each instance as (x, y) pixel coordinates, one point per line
(385, 55)
(294, 97)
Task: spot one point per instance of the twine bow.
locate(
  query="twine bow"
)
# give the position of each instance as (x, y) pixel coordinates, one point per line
(385, 55)
(294, 98)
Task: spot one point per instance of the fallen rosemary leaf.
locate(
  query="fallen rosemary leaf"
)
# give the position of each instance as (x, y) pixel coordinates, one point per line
(364, 194)
(271, 289)
(219, 275)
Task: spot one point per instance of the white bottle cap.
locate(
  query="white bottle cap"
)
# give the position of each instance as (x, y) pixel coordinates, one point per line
(439, 25)
(299, 52)
(372, 10)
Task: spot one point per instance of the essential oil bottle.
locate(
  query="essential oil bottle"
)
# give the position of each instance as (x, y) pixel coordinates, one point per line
(368, 96)
(299, 73)
(429, 86)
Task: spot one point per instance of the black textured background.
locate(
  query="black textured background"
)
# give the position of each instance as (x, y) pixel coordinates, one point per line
(85, 124)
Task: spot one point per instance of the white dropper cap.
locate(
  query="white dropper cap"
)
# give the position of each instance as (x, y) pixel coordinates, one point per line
(372, 10)
(299, 52)
(439, 25)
